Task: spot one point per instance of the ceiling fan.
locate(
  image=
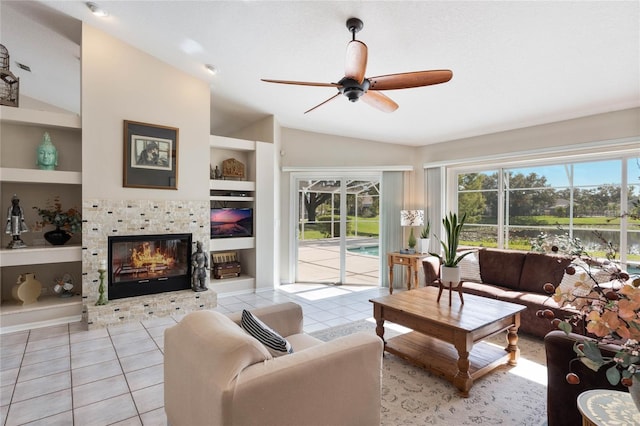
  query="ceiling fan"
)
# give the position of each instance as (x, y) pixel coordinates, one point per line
(355, 86)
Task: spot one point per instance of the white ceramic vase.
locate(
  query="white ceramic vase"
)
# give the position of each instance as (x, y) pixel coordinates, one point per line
(424, 245)
(27, 289)
(450, 274)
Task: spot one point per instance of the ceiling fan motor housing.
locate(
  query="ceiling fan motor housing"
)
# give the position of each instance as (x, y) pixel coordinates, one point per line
(352, 89)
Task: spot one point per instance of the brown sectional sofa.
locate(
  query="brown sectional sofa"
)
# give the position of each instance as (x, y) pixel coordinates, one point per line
(514, 276)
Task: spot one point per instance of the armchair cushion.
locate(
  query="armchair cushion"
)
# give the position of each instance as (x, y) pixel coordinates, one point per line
(275, 343)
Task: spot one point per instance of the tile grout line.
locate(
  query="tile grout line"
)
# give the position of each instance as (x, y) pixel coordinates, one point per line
(115, 350)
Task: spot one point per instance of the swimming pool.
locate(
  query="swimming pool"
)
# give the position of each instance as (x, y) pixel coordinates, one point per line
(366, 250)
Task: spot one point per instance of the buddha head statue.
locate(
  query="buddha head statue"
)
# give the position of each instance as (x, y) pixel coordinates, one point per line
(47, 154)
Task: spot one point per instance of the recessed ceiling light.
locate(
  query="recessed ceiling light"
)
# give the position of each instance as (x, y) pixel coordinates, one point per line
(97, 10)
(213, 70)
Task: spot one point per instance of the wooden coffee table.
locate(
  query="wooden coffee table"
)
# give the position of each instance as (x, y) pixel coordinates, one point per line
(447, 340)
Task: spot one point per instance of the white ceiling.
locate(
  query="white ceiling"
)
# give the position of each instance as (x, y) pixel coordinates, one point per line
(515, 64)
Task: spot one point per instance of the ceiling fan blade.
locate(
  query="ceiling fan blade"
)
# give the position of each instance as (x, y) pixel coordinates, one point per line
(301, 83)
(320, 104)
(409, 79)
(379, 101)
(356, 61)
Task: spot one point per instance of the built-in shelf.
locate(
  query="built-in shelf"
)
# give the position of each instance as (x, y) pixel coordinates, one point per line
(8, 174)
(239, 243)
(41, 118)
(256, 192)
(47, 311)
(40, 255)
(223, 142)
(230, 198)
(231, 185)
(241, 284)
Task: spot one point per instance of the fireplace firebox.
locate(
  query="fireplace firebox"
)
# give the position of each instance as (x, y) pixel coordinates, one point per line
(148, 264)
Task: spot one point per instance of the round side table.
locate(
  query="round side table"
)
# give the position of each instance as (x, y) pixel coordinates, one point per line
(607, 407)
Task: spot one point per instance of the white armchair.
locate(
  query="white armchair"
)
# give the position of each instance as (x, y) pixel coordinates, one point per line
(216, 374)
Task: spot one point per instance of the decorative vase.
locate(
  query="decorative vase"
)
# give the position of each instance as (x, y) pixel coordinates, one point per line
(57, 237)
(27, 289)
(450, 274)
(424, 245)
(634, 391)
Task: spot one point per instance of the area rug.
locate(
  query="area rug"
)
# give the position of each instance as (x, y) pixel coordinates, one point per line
(505, 396)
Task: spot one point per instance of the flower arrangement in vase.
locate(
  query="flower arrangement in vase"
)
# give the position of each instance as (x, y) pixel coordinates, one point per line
(66, 222)
(607, 304)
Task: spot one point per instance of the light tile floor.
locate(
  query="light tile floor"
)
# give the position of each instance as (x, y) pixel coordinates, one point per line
(66, 375)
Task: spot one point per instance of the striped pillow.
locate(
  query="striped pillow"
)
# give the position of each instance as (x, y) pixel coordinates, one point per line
(275, 343)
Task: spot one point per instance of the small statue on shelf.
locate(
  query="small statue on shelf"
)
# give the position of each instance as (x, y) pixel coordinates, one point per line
(15, 223)
(199, 266)
(47, 158)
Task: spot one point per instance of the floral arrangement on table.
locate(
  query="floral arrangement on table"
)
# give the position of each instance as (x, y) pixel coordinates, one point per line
(69, 220)
(607, 304)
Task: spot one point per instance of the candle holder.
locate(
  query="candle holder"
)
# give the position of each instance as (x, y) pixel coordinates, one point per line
(101, 299)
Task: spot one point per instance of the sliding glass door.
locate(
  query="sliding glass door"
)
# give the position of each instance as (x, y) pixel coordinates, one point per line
(338, 230)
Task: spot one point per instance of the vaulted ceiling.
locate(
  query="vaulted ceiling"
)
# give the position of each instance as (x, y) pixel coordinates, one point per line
(515, 64)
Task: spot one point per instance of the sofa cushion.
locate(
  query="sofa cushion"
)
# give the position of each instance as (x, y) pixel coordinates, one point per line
(501, 267)
(539, 269)
(275, 343)
(470, 268)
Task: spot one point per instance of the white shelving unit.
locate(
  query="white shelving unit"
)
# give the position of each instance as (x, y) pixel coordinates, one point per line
(21, 130)
(257, 193)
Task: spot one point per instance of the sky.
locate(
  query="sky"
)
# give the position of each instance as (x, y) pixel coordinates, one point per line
(586, 174)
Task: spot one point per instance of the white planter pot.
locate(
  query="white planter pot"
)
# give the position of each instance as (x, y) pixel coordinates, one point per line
(450, 274)
(424, 245)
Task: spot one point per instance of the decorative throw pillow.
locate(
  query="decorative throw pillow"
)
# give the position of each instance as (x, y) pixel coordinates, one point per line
(579, 284)
(275, 343)
(470, 268)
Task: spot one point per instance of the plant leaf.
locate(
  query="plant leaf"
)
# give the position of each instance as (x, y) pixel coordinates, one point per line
(613, 375)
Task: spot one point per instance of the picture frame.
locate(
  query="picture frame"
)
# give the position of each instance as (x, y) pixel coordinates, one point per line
(150, 156)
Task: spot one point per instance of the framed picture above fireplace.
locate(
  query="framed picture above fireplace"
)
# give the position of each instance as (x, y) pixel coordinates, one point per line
(150, 156)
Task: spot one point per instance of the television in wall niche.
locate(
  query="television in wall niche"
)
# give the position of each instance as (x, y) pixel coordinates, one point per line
(231, 222)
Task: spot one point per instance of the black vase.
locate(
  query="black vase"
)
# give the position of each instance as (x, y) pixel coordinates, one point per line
(57, 237)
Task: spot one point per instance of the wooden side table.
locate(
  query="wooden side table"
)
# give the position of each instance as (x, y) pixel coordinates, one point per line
(602, 407)
(411, 261)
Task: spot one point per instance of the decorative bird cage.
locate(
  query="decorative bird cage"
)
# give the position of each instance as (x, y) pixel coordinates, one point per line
(10, 85)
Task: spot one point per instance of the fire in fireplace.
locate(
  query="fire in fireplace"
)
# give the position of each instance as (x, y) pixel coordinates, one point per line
(148, 264)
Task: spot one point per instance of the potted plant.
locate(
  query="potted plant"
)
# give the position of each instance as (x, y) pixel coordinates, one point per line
(449, 270)
(412, 242)
(66, 222)
(424, 238)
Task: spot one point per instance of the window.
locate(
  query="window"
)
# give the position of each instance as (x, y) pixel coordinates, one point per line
(595, 201)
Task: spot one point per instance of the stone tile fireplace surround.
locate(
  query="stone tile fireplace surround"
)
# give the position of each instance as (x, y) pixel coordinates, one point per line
(104, 218)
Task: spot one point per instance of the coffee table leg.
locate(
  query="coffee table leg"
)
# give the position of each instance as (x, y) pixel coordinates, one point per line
(462, 380)
(377, 314)
(512, 345)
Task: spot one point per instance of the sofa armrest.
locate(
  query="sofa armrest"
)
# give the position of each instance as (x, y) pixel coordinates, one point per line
(335, 383)
(431, 266)
(561, 396)
(285, 318)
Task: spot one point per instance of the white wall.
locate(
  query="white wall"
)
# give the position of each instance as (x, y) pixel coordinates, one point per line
(576, 132)
(120, 83)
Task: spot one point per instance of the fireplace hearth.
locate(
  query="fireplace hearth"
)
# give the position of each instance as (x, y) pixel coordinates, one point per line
(148, 264)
